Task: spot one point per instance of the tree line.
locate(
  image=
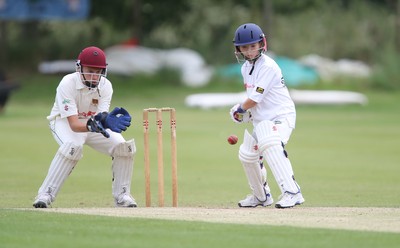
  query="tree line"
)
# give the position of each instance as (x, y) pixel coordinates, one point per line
(335, 28)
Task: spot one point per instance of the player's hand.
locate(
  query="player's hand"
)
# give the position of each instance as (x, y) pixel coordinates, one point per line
(237, 113)
(94, 125)
(117, 120)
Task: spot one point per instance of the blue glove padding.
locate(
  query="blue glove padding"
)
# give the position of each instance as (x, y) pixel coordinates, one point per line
(117, 120)
(94, 125)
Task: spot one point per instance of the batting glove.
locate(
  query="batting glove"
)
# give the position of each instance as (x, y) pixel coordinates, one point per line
(240, 115)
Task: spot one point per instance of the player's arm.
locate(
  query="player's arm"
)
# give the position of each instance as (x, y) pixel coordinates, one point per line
(117, 120)
(92, 125)
(248, 104)
(76, 125)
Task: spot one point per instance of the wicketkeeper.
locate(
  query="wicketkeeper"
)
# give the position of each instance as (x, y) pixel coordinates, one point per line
(271, 110)
(80, 116)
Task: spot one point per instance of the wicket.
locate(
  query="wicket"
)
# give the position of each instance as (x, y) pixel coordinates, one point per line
(159, 124)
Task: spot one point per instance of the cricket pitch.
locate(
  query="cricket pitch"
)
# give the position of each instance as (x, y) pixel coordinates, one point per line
(346, 218)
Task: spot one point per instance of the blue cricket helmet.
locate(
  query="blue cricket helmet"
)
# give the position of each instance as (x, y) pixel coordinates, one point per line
(247, 34)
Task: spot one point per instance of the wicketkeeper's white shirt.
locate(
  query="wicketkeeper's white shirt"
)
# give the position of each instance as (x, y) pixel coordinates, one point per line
(266, 86)
(74, 98)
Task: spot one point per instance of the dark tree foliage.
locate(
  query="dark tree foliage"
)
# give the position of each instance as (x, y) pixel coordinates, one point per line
(121, 13)
(293, 7)
(188, 24)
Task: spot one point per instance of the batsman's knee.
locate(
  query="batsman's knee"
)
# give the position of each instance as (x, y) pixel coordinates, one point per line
(247, 150)
(247, 156)
(268, 135)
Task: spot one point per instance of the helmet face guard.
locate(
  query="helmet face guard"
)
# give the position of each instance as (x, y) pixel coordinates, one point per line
(92, 57)
(247, 34)
(241, 56)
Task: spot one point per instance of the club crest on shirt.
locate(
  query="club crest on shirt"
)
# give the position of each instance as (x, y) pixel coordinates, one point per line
(95, 101)
(260, 90)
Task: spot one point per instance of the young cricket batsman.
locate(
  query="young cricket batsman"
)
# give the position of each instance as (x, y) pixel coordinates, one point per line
(271, 110)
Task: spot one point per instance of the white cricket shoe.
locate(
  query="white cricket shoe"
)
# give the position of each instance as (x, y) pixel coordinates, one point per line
(42, 201)
(125, 201)
(288, 200)
(251, 201)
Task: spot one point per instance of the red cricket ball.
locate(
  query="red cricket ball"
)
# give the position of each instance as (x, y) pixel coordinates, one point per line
(233, 139)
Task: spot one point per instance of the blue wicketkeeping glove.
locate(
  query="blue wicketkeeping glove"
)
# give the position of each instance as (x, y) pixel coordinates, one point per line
(117, 120)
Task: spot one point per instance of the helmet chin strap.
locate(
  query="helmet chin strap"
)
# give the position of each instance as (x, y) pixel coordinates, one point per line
(253, 61)
(261, 51)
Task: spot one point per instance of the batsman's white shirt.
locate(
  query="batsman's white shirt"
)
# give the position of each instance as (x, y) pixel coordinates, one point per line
(266, 86)
(74, 98)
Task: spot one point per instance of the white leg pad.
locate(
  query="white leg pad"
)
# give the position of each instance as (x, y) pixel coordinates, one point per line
(249, 157)
(122, 167)
(270, 146)
(61, 167)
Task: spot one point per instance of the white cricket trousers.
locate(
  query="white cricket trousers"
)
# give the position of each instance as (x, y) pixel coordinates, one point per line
(62, 133)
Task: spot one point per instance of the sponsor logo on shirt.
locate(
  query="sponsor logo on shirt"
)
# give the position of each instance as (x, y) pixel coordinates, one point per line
(95, 101)
(82, 115)
(260, 90)
(283, 81)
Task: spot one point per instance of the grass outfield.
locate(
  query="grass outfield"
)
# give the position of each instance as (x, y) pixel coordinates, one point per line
(39, 229)
(343, 156)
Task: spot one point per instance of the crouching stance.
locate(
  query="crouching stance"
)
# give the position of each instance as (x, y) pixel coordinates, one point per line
(80, 117)
(271, 110)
